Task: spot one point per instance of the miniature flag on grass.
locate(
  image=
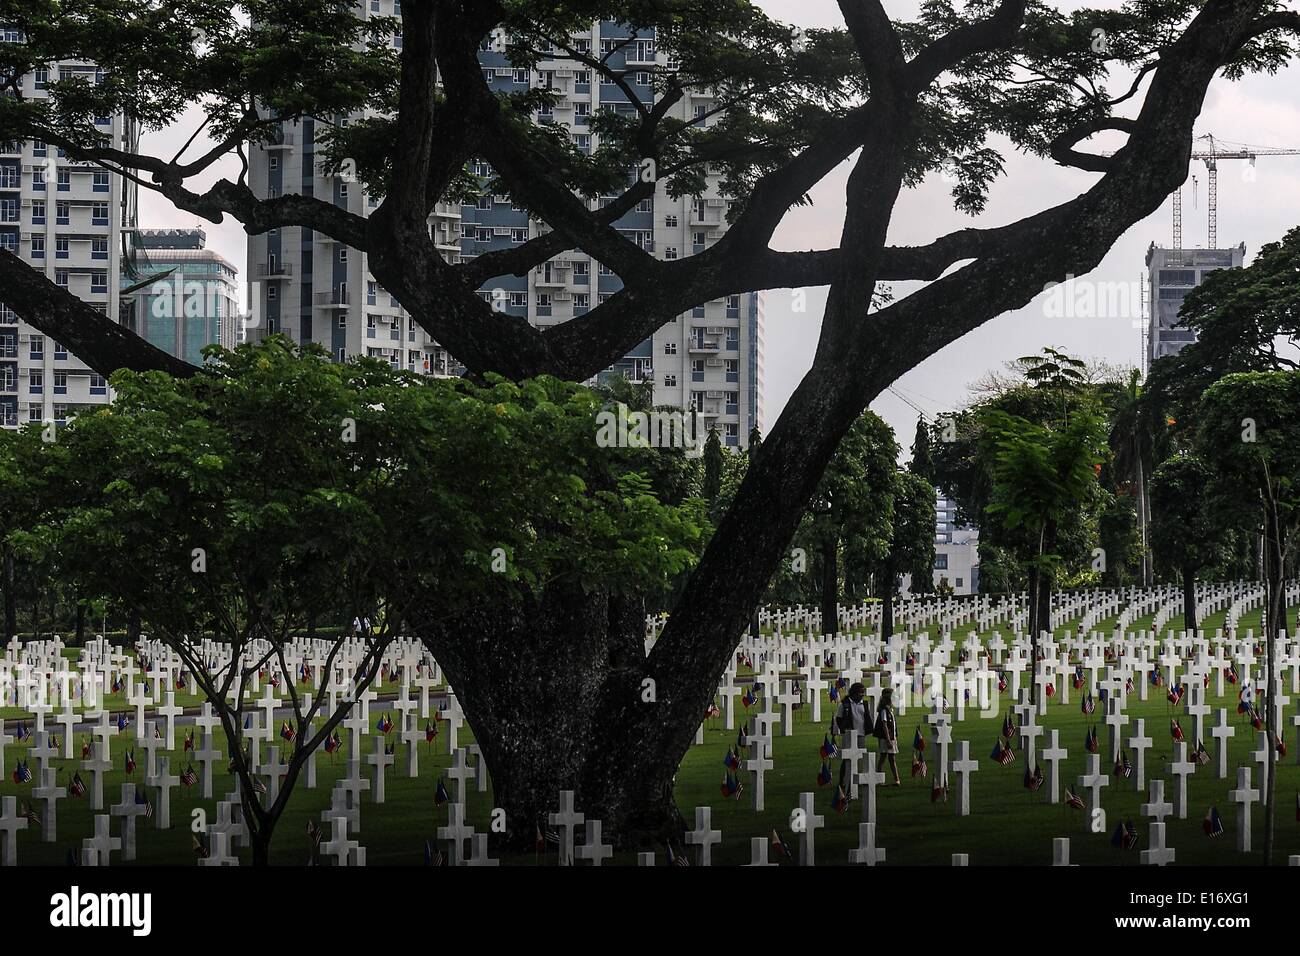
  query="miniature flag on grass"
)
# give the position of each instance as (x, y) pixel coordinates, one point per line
(76, 788)
(1213, 824)
(731, 786)
(828, 749)
(1033, 781)
(824, 774)
(840, 803)
(130, 762)
(1072, 799)
(1201, 756)
(1176, 730)
(1003, 754)
(21, 773)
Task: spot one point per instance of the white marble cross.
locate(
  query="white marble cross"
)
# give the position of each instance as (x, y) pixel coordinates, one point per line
(1139, 743)
(1181, 768)
(11, 821)
(963, 767)
(1244, 796)
(566, 820)
(130, 810)
(1093, 781)
(164, 781)
(169, 713)
(1222, 732)
(103, 844)
(703, 836)
(868, 780)
(1157, 853)
(379, 762)
(1053, 755)
(98, 767)
(593, 846)
(457, 832)
(867, 852)
(460, 772)
(811, 822)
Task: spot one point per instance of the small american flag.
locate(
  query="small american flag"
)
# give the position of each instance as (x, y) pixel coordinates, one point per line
(76, 788)
(188, 777)
(142, 800)
(1072, 799)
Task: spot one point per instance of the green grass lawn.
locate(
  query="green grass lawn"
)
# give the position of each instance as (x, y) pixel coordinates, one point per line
(1007, 823)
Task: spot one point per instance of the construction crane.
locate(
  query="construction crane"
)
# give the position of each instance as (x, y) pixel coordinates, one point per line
(1211, 159)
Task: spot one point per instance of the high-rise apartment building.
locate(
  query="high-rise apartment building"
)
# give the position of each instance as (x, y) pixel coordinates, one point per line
(65, 219)
(1172, 273)
(709, 360)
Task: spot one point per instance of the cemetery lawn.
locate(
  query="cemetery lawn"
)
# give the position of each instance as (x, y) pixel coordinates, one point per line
(1007, 824)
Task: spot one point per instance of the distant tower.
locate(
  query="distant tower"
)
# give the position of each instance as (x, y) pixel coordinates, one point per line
(1171, 274)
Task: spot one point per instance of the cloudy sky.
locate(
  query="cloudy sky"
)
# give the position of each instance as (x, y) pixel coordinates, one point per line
(1255, 206)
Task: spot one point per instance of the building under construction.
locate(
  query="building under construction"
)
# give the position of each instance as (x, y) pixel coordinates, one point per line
(1171, 274)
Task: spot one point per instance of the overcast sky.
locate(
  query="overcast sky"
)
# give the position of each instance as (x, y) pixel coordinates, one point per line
(1262, 111)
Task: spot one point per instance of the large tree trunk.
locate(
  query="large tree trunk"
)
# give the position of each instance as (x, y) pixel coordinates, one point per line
(830, 598)
(557, 694)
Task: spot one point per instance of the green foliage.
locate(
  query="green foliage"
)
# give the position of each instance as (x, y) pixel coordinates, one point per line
(312, 485)
(1187, 523)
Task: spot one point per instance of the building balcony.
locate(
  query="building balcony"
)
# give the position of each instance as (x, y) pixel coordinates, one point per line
(334, 299)
(706, 347)
(274, 270)
(280, 141)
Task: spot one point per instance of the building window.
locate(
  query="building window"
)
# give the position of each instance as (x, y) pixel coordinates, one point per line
(941, 562)
(670, 380)
(65, 180)
(60, 247)
(60, 352)
(60, 383)
(36, 383)
(37, 350)
(99, 248)
(61, 278)
(99, 282)
(99, 214)
(98, 385)
(670, 348)
(670, 252)
(38, 247)
(100, 182)
(38, 212)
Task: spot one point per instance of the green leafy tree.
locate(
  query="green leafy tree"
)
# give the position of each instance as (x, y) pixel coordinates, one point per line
(911, 542)
(1248, 428)
(239, 502)
(1039, 476)
(1187, 524)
